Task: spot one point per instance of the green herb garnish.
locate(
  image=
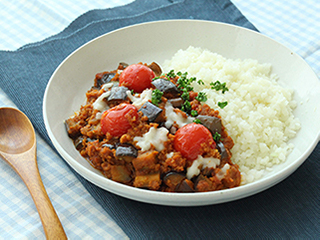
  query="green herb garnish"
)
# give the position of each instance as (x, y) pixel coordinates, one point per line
(184, 85)
(185, 95)
(186, 106)
(194, 113)
(155, 78)
(217, 85)
(197, 121)
(222, 104)
(192, 79)
(200, 82)
(184, 82)
(216, 137)
(171, 74)
(156, 96)
(202, 97)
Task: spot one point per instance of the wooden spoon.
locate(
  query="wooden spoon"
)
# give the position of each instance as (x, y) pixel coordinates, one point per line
(18, 148)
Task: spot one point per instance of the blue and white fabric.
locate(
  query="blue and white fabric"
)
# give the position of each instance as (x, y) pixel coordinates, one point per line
(293, 23)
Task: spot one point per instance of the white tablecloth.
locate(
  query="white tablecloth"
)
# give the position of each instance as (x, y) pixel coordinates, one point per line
(294, 23)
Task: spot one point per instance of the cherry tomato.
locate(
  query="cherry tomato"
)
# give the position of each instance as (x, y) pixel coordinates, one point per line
(136, 77)
(116, 119)
(188, 140)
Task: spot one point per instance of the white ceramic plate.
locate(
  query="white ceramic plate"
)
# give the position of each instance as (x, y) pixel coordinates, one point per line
(157, 41)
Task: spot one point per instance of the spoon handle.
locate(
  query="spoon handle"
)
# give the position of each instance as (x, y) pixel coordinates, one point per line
(26, 166)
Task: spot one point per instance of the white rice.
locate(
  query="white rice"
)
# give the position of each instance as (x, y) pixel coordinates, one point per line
(259, 115)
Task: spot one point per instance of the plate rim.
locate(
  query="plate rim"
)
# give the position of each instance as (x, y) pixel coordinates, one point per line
(239, 192)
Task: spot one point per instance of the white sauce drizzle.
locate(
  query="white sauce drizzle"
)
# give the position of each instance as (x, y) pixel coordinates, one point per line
(101, 105)
(194, 169)
(155, 136)
(107, 86)
(170, 155)
(220, 175)
(172, 117)
(98, 115)
(140, 100)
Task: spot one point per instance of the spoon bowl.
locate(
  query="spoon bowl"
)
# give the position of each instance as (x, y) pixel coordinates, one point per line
(18, 149)
(17, 125)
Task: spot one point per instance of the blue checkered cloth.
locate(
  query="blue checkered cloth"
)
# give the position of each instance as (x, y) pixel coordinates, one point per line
(21, 23)
(293, 23)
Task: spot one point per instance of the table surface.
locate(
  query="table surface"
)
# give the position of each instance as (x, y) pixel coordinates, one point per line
(294, 23)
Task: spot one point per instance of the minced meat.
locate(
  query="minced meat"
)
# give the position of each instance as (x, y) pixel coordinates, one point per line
(145, 155)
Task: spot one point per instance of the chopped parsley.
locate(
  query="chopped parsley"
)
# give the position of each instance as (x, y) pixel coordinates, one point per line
(200, 82)
(197, 121)
(184, 85)
(185, 95)
(186, 106)
(202, 97)
(194, 113)
(171, 74)
(222, 104)
(156, 96)
(184, 82)
(217, 85)
(216, 137)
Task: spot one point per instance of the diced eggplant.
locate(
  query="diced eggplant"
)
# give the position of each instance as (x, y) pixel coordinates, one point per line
(199, 178)
(147, 171)
(72, 127)
(176, 102)
(104, 79)
(120, 173)
(146, 163)
(90, 140)
(150, 181)
(173, 179)
(151, 111)
(67, 124)
(222, 150)
(185, 186)
(155, 68)
(208, 172)
(126, 152)
(78, 143)
(123, 65)
(118, 93)
(203, 184)
(212, 123)
(166, 86)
